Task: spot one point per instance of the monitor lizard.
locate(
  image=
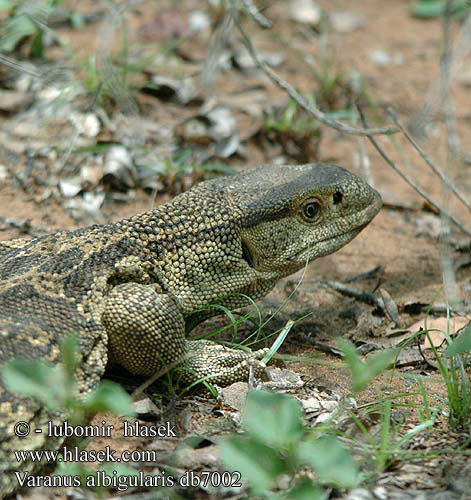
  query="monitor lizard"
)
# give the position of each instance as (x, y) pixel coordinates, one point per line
(127, 289)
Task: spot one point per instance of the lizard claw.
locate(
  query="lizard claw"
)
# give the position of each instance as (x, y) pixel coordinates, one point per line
(222, 365)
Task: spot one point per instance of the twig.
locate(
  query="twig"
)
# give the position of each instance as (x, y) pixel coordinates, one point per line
(256, 15)
(453, 141)
(21, 68)
(296, 96)
(328, 349)
(450, 284)
(356, 293)
(446, 180)
(412, 183)
(365, 276)
(218, 42)
(303, 339)
(444, 308)
(418, 308)
(434, 97)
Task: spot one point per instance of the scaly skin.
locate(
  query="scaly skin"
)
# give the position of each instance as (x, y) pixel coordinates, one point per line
(127, 289)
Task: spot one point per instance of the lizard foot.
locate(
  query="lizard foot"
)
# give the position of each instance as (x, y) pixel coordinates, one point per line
(219, 364)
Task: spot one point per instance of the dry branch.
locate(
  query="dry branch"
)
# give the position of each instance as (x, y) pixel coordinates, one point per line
(297, 97)
(256, 15)
(445, 179)
(412, 183)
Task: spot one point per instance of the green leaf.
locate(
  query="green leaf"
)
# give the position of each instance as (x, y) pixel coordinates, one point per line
(331, 461)
(73, 469)
(121, 469)
(278, 341)
(6, 5)
(77, 21)
(69, 353)
(35, 379)
(257, 463)
(96, 148)
(109, 397)
(37, 44)
(462, 344)
(218, 168)
(363, 373)
(306, 490)
(427, 9)
(14, 31)
(273, 419)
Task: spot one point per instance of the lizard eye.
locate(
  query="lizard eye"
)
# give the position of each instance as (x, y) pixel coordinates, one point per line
(312, 210)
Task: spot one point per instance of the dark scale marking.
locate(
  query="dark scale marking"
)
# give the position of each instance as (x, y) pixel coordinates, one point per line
(17, 266)
(66, 259)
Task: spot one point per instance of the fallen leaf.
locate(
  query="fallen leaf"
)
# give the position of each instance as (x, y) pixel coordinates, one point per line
(12, 101)
(305, 12)
(390, 306)
(439, 325)
(345, 21)
(86, 124)
(119, 172)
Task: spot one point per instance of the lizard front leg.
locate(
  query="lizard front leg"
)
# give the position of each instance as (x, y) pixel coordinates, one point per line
(146, 333)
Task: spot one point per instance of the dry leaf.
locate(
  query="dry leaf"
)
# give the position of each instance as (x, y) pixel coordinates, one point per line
(305, 12)
(442, 324)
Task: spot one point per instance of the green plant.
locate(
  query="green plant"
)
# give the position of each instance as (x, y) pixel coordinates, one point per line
(179, 170)
(289, 119)
(249, 316)
(335, 94)
(428, 9)
(454, 368)
(363, 372)
(276, 448)
(383, 445)
(26, 23)
(106, 83)
(55, 387)
(295, 130)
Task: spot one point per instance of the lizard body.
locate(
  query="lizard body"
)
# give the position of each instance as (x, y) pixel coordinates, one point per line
(127, 289)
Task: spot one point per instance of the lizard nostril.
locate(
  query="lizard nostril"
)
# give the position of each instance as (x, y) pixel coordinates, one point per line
(338, 196)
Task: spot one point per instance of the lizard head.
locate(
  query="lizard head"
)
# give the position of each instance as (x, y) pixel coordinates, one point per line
(294, 214)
